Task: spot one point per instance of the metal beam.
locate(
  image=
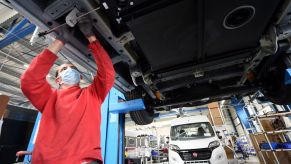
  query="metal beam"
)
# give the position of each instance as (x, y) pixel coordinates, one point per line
(232, 121)
(12, 58)
(9, 82)
(202, 95)
(127, 106)
(235, 58)
(10, 72)
(241, 113)
(16, 33)
(13, 92)
(17, 27)
(189, 80)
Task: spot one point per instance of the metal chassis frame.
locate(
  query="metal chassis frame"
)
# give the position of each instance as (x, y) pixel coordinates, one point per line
(76, 53)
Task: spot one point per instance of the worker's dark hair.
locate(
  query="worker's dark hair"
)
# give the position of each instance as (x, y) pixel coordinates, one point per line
(63, 62)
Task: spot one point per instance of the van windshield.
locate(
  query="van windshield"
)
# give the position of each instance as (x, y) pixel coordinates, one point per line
(192, 131)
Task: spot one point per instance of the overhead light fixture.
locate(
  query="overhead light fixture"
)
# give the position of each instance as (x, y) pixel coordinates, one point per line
(222, 102)
(26, 65)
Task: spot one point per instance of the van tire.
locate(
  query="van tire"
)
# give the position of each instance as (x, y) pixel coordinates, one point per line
(142, 117)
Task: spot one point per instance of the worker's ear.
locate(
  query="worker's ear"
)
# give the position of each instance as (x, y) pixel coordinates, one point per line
(81, 77)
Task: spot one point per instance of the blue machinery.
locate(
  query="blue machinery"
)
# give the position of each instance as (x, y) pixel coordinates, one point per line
(112, 126)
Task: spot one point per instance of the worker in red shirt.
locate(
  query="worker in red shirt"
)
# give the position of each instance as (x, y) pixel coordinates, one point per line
(69, 130)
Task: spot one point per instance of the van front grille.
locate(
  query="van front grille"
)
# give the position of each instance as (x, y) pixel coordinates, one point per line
(194, 162)
(195, 154)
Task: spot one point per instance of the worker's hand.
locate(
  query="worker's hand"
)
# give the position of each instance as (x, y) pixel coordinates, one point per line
(85, 25)
(64, 33)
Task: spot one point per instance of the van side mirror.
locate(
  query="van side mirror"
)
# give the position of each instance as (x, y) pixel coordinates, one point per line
(220, 137)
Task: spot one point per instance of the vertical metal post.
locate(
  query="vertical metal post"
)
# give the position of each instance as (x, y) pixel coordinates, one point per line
(27, 158)
(222, 115)
(232, 122)
(211, 116)
(112, 130)
(121, 137)
(104, 125)
(261, 153)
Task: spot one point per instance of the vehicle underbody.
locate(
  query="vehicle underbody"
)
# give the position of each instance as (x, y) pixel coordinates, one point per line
(175, 53)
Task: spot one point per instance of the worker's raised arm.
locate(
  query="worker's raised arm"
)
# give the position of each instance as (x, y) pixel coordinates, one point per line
(33, 81)
(104, 79)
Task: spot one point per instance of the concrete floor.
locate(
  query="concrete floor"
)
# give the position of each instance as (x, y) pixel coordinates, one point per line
(251, 160)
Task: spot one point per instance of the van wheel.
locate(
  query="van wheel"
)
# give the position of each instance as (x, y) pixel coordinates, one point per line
(142, 117)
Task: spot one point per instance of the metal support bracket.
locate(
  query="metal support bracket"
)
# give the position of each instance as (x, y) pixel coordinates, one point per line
(269, 46)
(72, 18)
(128, 106)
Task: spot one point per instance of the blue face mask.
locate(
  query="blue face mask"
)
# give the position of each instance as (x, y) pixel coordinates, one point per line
(70, 76)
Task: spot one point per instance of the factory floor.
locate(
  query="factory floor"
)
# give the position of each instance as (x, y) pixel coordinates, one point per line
(251, 160)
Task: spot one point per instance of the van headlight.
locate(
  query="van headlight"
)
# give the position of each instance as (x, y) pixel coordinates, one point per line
(214, 144)
(174, 147)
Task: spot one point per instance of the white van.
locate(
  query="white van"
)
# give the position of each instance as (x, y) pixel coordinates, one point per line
(193, 140)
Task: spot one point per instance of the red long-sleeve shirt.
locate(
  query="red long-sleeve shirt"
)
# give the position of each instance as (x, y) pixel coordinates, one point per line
(69, 130)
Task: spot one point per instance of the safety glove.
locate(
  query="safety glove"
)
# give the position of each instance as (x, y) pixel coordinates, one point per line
(64, 33)
(85, 25)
